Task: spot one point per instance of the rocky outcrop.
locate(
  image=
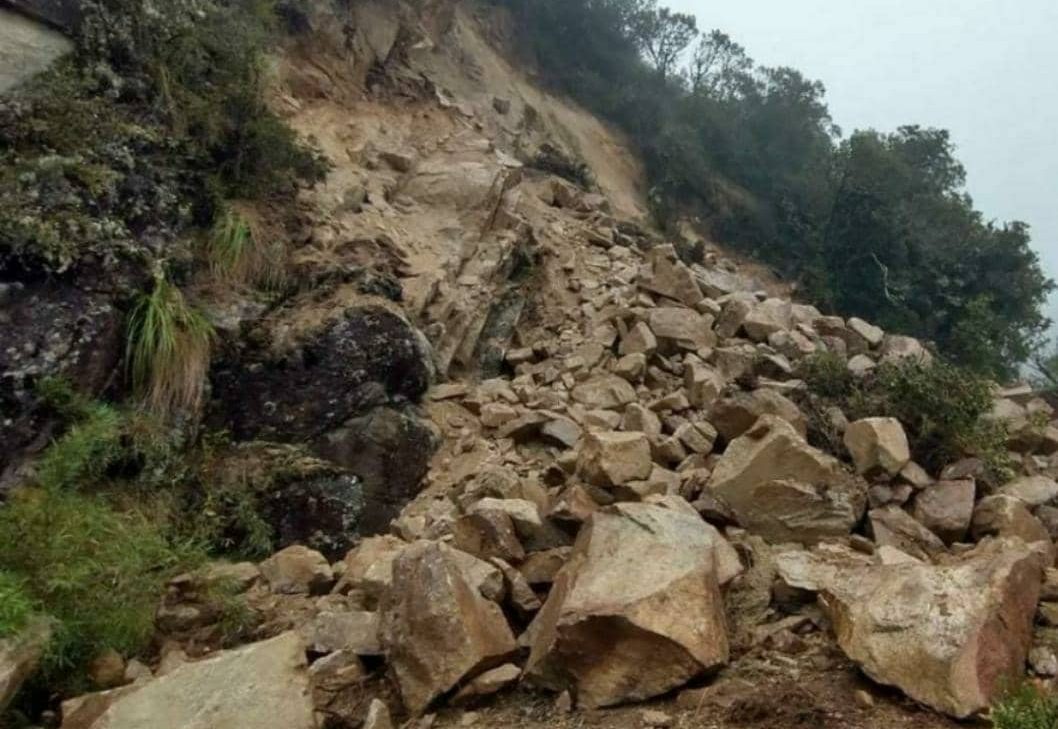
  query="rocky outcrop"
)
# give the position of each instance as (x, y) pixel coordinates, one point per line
(637, 611)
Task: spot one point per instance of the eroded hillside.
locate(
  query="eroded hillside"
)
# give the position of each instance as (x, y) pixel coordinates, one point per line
(518, 459)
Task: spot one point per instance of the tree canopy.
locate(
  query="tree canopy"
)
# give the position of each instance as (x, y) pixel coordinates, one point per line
(872, 224)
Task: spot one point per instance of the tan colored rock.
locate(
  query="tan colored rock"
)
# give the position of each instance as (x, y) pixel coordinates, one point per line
(331, 631)
(378, 716)
(497, 414)
(734, 414)
(437, 629)
(637, 611)
(612, 459)
(946, 508)
(1007, 516)
(488, 683)
(671, 278)
(640, 419)
(297, 570)
(1032, 490)
(947, 636)
(702, 383)
(562, 430)
(735, 311)
(20, 656)
(681, 329)
(896, 348)
(878, 446)
(369, 566)
(639, 340)
(871, 334)
(487, 534)
(768, 317)
(631, 367)
(781, 488)
(107, 670)
(891, 526)
(263, 685)
(604, 392)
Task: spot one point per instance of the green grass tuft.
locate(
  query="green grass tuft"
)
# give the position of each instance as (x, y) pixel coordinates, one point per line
(237, 257)
(168, 349)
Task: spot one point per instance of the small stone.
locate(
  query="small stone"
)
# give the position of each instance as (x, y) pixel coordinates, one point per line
(656, 719)
(297, 570)
(864, 699)
(107, 670)
(378, 716)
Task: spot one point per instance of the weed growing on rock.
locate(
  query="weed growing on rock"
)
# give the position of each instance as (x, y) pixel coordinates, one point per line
(168, 349)
(237, 257)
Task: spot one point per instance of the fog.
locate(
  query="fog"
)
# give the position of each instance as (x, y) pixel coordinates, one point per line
(983, 69)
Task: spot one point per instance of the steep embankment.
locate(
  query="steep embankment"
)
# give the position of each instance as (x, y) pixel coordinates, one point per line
(579, 465)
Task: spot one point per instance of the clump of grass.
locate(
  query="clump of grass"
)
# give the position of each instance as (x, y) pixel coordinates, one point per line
(238, 257)
(85, 453)
(16, 606)
(97, 572)
(168, 349)
(1026, 707)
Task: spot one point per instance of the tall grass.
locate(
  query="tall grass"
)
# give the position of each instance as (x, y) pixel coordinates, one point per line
(1026, 707)
(238, 257)
(168, 349)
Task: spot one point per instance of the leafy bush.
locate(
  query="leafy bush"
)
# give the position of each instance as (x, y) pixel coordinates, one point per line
(15, 605)
(99, 573)
(168, 349)
(941, 406)
(1026, 707)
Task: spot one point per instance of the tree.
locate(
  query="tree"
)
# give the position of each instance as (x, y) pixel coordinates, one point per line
(719, 67)
(663, 35)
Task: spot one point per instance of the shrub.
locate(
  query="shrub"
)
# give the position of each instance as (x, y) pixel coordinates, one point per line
(15, 605)
(99, 573)
(827, 374)
(1026, 707)
(85, 453)
(168, 349)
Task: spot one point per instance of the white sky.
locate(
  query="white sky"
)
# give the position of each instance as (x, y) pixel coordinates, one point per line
(987, 70)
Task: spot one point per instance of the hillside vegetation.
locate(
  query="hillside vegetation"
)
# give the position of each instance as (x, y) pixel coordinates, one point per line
(873, 224)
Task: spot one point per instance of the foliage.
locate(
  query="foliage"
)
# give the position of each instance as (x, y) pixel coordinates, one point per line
(1045, 365)
(96, 571)
(237, 257)
(1026, 707)
(875, 225)
(15, 605)
(942, 407)
(84, 454)
(168, 349)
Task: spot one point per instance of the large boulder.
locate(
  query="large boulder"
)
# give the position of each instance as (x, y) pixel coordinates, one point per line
(671, 278)
(783, 489)
(878, 446)
(264, 685)
(767, 318)
(736, 413)
(604, 392)
(677, 328)
(946, 508)
(637, 611)
(948, 636)
(437, 627)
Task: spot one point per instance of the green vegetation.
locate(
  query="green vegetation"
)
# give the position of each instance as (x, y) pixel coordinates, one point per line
(1026, 707)
(97, 572)
(168, 350)
(15, 605)
(237, 257)
(942, 407)
(876, 225)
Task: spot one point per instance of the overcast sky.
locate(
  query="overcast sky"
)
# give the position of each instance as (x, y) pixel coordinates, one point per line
(987, 70)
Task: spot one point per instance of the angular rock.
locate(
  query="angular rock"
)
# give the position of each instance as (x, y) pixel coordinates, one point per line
(488, 683)
(878, 446)
(378, 716)
(735, 414)
(20, 656)
(702, 384)
(437, 629)
(1032, 490)
(871, 334)
(896, 348)
(891, 526)
(297, 570)
(766, 318)
(946, 636)
(946, 508)
(671, 278)
(1007, 516)
(355, 631)
(263, 685)
(637, 611)
(781, 488)
(369, 566)
(639, 340)
(612, 459)
(677, 328)
(604, 392)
